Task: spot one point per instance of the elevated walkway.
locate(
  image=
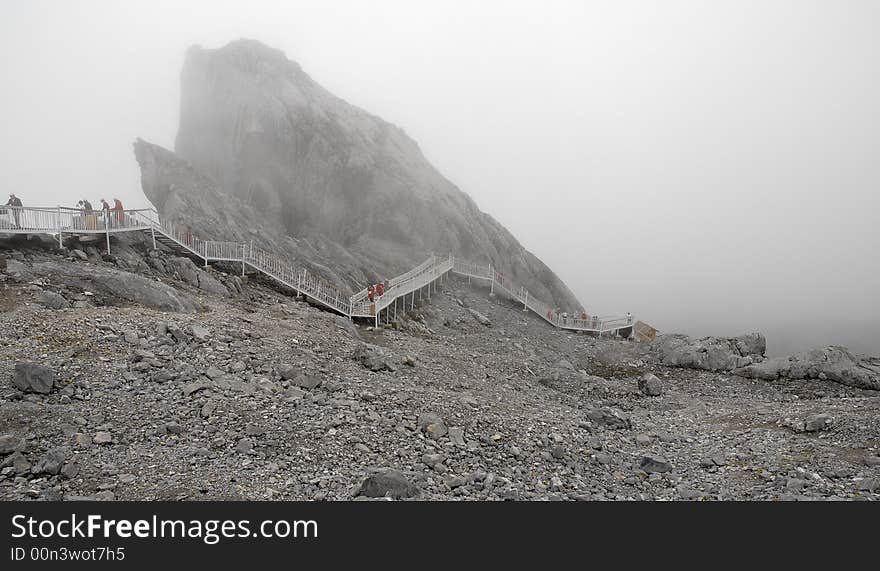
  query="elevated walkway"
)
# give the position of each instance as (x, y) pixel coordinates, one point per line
(401, 290)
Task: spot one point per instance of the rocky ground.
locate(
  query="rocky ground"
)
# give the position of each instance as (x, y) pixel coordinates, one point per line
(142, 376)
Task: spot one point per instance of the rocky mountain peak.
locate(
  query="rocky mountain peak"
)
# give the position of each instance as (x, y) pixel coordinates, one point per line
(322, 170)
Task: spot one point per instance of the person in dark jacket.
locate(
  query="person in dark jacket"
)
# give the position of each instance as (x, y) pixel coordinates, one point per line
(15, 205)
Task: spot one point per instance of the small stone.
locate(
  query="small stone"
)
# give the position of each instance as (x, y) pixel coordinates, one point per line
(610, 418)
(10, 443)
(253, 430)
(868, 485)
(214, 373)
(174, 428)
(643, 440)
(432, 459)
(558, 452)
(52, 300)
(194, 387)
(308, 381)
(655, 464)
(18, 463)
(245, 446)
(389, 482)
(650, 385)
(81, 439)
(103, 438)
(208, 409)
(817, 422)
(52, 461)
(33, 378)
(200, 333)
(482, 319)
(436, 430)
(130, 336)
(70, 470)
(456, 435)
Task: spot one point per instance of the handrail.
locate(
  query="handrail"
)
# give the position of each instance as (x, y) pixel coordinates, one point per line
(62, 219)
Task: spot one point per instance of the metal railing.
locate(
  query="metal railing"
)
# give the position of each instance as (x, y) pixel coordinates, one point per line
(61, 220)
(549, 314)
(364, 293)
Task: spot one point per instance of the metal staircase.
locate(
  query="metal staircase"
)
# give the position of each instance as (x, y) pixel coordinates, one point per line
(401, 289)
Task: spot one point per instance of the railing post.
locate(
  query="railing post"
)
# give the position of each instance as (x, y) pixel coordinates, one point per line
(107, 228)
(58, 227)
(153, 233)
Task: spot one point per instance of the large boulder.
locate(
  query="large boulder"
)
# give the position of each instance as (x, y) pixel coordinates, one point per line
(116, 287)
(388, 483)
(185, 270)
(833, 363)
(374, 358)
(33, 378)
(52, 300)
(709, 353)
(650, 385)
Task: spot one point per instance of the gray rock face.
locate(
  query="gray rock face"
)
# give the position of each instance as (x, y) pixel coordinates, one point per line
(186, 270)
(391, 483)
(709, 353)
(321, 170)
(117, 286)
(33, 378)
(834, 363)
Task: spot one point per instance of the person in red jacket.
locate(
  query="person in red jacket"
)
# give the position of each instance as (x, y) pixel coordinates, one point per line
(371, 292)
(380, 289)
(118, 212)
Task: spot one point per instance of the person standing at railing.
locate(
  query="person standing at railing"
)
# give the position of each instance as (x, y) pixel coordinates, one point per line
(105, 209)
(88, 214)
(15, 205)
(118, 212)
(629, 318)
(380, 289)
(371, 293)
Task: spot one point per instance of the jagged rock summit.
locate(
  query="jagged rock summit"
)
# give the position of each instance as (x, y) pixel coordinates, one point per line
(325, 172)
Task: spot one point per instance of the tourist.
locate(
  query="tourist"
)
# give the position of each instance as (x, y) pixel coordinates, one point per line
(15, 205)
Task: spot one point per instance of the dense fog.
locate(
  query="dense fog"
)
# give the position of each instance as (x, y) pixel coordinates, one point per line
(711, 167)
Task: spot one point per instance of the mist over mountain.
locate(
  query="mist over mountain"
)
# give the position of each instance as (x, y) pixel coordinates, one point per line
(321, 169)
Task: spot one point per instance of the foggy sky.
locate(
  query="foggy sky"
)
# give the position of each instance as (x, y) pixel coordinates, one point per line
(711, 167)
